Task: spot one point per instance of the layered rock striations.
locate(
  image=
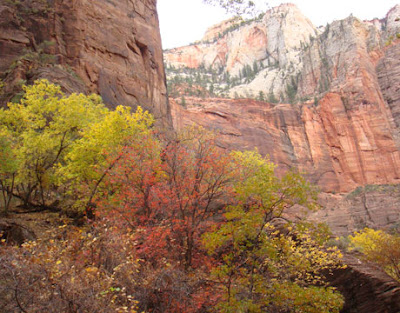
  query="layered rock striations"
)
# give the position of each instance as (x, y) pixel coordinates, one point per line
(273, 41)
(338, 149)
(323, 100)
(112, 48)
(284, 55)
(373, 206)
(341, 80)
(366, 288)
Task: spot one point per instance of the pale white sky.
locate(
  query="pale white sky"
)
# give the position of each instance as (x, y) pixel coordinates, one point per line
(185, 21)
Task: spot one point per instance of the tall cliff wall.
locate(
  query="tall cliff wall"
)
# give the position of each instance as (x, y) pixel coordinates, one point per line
(323, 100)
(283, 54)
(111, 47)
(342, 124)
(338, 148)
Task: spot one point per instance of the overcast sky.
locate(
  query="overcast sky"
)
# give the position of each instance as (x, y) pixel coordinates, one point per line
(185, 21)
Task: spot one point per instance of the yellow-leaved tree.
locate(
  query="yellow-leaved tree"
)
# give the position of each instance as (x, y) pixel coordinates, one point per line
(57, 147)
(264, 265)
(379, 247)
(8, 168)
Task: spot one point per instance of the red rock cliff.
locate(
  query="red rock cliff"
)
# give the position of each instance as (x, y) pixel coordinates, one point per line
(342, 127)
(338, 148)
(109, 47)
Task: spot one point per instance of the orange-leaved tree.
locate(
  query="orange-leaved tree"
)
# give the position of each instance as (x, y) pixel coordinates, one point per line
(167, 194)
(174, 191)
(199, 178)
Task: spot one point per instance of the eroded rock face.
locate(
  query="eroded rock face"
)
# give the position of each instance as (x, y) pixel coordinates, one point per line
(342, 128)
(284, 56)
(111, 47)
(373, 206)
(388, 71)
(366, 288)
(338, 148)
(273, 42)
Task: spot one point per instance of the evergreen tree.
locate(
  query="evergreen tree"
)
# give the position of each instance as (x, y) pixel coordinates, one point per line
(255, 67)
(183, 101)
(272, 98)
(291, 90)
(261, 96)
(211, 89)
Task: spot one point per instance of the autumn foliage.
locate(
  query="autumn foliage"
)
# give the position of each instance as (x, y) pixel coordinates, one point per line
(176, 225)
(379, 247)
(54, 143)
(70, 269)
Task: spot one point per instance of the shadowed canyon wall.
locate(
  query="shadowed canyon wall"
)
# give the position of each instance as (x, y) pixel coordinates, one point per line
(111, 47)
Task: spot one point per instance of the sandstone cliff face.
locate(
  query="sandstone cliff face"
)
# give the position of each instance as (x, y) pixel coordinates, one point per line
(217, 30)
(343, 126)
(338, 148)
(109, 47)
(373, 206)
(273, 42)
(388, 72)
(287, 54)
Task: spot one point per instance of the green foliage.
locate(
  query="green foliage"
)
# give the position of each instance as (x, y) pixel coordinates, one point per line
(255, 67)
(385, 188)
(235, 6)
(342, 242)
(261, 96)
(183, 101)
(211, 90)
(196, 81)
(264, 267)
(248, 73)
(13, 2)
(30, 7)
(28, 62)
(235, 24)
(316, 101)
(291, 90)
(272, 98)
